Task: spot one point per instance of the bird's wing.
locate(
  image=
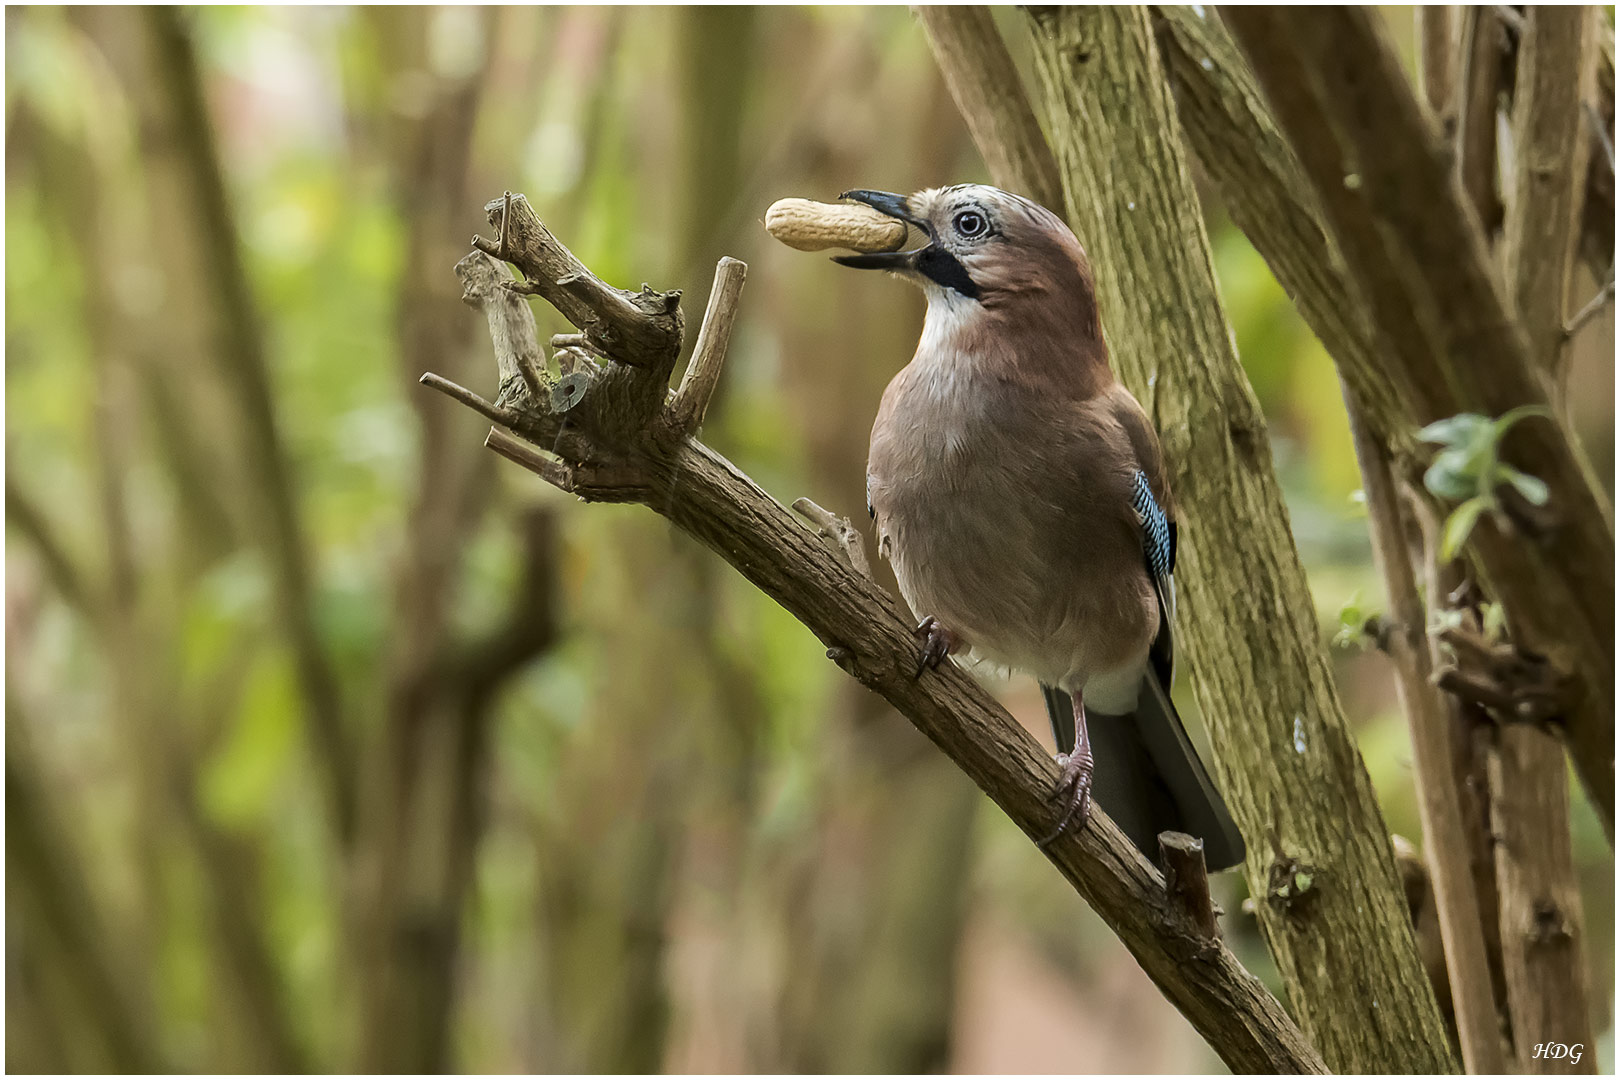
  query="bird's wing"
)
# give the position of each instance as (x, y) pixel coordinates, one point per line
(1159, 551)
(1155, 510)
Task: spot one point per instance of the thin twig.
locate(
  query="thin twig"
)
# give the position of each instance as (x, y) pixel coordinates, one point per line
(697, 387)
(519, 452)
(487, 410)
(1590, 310)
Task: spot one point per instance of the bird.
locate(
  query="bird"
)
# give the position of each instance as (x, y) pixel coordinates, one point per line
(1019, 491)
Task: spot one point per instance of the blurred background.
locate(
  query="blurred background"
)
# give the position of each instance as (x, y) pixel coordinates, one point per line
(333, 742)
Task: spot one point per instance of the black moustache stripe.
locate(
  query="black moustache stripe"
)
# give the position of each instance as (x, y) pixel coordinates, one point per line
(941, 266)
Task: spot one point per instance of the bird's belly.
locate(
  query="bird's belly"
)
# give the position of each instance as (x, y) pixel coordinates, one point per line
(1008, 571)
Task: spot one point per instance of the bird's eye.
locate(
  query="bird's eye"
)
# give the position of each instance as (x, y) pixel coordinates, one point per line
(971, 223)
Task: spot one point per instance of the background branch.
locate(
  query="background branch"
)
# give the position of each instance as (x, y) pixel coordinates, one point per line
(241, 355)
(985, 85)
(1542, 920)
(1550, 143)
(1458, 907)
(1338, 89)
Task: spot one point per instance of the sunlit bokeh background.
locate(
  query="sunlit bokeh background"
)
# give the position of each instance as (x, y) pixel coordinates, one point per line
(669, 835)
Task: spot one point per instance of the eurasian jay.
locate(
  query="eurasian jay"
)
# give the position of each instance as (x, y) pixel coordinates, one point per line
(1020, 493)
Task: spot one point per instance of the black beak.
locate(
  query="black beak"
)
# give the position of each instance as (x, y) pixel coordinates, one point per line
(885, 202)
(930, 261)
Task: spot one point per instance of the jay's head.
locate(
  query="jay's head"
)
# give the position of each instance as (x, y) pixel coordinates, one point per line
(983, 245)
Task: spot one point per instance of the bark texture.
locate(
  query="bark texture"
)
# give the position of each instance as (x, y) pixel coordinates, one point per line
(1285, 757)
(1415, 255)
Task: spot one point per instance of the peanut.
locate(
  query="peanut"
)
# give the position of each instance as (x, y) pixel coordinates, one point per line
(813, 226)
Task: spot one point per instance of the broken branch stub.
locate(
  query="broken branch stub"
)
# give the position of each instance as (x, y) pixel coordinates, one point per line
(640, 329)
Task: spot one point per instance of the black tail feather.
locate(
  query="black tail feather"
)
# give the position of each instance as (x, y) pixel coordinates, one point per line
(1149, 778)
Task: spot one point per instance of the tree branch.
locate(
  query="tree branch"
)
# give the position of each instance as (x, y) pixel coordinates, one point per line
(864, 630)
(1479, 92)
(983, 81)
(50, 886)
(638, 328)
(1295, 784)
(1546, 972)
(709, 354)
(1228, 125)
(1550, 142)
(60, 567)
(1384, 183)
(1597, 214)
(1460, 913)
(1543, 949)
(1437, 63)
(240, 353)
(1186, 885)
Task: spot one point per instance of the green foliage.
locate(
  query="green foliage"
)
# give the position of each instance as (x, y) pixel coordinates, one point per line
(1469, 470)
(1353, 622)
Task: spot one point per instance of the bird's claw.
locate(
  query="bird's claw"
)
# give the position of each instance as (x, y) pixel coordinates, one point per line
(1074, 790)
(938, 643)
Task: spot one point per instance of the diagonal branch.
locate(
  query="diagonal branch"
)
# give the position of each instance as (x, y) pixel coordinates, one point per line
(1397, 217)
(863, 628)
(1240, 147)
(984, 83)
(60, 567)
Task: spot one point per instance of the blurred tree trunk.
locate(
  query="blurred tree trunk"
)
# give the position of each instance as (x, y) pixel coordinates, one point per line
(871, 986)
(135, 627)
(424, 806)
(97, 1023)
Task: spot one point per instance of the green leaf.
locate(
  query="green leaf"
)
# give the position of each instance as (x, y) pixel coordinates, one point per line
(1456, 430)
(1460, 524)
(1453, 475)
(1534, 489)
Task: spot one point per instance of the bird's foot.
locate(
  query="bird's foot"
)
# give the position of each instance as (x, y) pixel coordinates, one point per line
(1074, 792)
(938, 643)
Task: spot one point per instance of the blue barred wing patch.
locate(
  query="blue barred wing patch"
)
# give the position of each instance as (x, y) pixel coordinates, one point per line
(1158, 535)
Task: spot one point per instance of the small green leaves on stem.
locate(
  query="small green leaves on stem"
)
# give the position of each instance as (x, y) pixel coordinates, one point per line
(1469, 469)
